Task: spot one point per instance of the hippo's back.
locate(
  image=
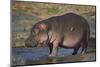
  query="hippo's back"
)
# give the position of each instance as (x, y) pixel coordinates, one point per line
(68, 22)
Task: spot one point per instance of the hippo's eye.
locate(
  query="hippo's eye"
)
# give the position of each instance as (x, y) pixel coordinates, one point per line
(36, 31)
(33, 31)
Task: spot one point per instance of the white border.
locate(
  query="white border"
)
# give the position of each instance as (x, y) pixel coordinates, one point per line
(5, 34)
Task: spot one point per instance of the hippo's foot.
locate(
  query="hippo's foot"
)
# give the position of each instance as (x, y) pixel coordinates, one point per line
(51, 55)
(83, 52)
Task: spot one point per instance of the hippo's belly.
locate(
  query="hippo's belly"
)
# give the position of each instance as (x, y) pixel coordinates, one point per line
(72, 40)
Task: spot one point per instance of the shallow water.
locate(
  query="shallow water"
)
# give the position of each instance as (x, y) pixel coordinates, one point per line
(39, 55)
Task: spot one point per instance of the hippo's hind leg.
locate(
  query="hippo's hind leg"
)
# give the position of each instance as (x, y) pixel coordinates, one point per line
(76, 50)
(84, 47)
(85, 44)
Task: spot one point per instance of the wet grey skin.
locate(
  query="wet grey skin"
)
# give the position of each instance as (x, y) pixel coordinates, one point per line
(69, 31)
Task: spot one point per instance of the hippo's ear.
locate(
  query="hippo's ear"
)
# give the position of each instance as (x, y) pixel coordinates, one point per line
(43, 26)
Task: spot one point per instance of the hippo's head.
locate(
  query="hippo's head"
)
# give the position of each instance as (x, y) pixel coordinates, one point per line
(38, 36)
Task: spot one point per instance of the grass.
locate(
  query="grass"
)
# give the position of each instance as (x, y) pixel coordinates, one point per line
(53, 10)
(45, 10)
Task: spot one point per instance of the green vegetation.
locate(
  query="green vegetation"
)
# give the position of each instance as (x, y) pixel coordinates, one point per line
(53, 10)
(45, 10)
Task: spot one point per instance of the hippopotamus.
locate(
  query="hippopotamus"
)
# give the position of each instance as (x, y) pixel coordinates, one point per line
(69, 31)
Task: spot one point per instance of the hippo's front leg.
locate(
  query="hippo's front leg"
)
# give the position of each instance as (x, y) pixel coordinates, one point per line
(54, 49)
